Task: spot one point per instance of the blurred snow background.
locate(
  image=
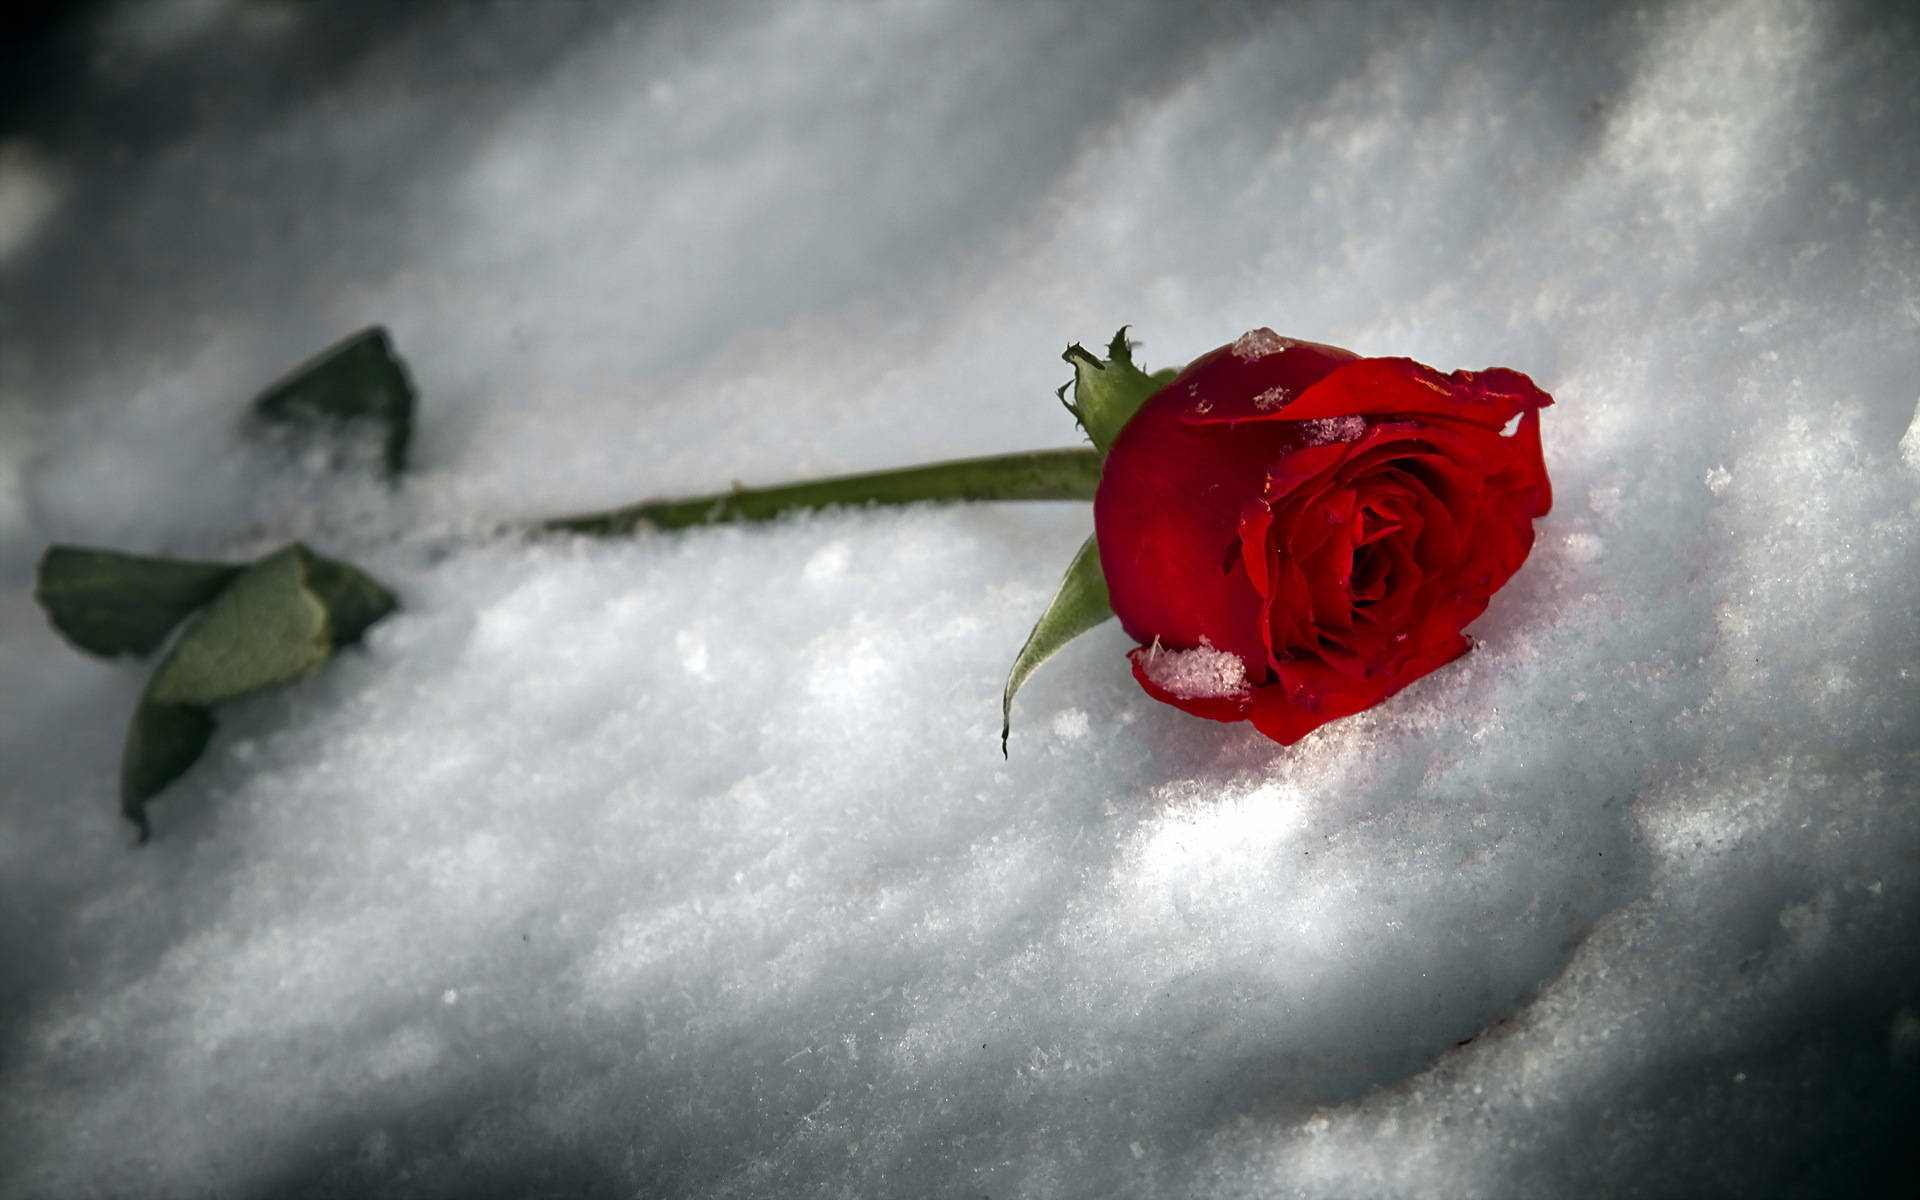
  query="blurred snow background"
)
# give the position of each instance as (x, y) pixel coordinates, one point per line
(689, 865)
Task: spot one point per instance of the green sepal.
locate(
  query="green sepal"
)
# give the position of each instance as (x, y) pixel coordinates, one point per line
(109, 603)
(278, 619)
(1107, 392)
(357, 379)
(1079, 605)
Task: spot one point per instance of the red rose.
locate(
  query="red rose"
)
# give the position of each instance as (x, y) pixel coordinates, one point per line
(1294, 533)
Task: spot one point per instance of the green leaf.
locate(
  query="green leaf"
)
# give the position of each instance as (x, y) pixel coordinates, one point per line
(278, 619)
(356, 379)
(1079, 605)
(264, 628)
(163, 740)
(1041, 475)
(110, 603)
(352, 598)
(1107, 392)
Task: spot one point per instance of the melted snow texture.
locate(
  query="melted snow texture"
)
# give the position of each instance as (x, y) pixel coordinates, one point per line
(689, 865)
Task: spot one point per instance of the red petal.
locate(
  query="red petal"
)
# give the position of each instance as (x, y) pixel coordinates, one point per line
(1289, 610)
(1297, 468)
(1403, 387)
(1309, 694)
(1167, 516)
(1525, 475)
(1223, 708)
(1256, 519)
(1252, 378)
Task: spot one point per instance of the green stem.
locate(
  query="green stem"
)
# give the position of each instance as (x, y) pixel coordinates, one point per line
(1039, 475)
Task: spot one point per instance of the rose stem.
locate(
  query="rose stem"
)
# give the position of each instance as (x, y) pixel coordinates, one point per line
(1038, 475)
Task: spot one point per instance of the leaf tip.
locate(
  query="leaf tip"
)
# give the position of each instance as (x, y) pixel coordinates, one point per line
(1078, 605)
(358, 378)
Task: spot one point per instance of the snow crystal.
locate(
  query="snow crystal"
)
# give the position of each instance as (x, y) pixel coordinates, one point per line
(1256, 344)
(1072, 724)
(1272, 398)
(1322, 430)
(1584, 547)
(1201, 673)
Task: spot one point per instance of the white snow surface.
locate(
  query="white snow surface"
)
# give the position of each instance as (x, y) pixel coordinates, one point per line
(689, 866)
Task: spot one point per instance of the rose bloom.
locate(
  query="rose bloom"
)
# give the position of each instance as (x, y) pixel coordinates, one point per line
(1293, 533)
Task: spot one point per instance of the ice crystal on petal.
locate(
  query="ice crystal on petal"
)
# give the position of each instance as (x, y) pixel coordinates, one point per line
(1272, 398)
(1322, 430)
(1202, 673)
(1256, 344)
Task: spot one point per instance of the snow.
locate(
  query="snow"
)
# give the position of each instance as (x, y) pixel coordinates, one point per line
(1324, 430)
(1271, 399)
(689, 865)
(1256, 344)
(1198, 673)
